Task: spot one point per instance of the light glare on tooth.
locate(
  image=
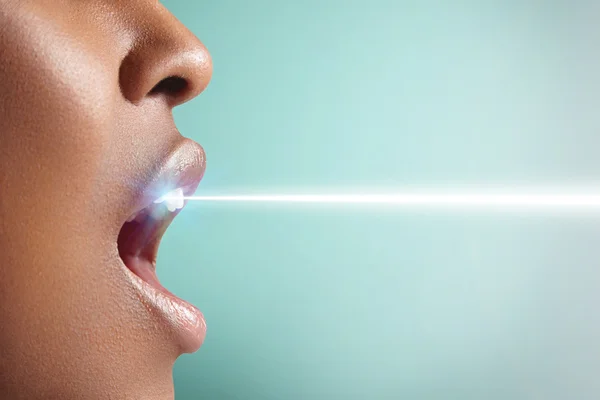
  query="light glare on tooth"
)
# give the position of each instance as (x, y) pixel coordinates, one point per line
(173, 200)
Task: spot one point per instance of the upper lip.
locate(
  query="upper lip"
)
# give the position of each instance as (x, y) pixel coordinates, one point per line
(182, 168)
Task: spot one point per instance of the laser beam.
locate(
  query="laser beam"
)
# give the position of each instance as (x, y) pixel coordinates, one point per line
(565, 201)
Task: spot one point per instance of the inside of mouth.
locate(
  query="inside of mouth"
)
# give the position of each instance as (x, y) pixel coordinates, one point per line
(138, 242)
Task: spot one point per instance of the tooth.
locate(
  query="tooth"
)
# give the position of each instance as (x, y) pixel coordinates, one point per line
(179, 199)
(173, 200)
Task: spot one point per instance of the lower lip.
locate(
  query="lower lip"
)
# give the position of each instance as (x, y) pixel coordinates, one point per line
(184, 319)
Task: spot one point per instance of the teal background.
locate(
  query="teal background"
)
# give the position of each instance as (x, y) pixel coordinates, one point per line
(356, 302)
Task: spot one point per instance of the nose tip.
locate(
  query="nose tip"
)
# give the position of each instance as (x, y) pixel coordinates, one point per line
(165, 60)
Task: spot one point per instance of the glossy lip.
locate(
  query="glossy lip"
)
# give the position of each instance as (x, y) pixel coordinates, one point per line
(184, 169)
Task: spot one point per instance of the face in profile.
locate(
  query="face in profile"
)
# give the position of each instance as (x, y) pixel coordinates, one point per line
(87, 148)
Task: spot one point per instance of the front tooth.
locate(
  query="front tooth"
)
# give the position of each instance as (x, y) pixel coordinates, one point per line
(179, 199)
(170, 206)
(173, 200)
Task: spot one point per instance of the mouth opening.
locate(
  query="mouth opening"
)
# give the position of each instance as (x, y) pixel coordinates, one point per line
(139, 240)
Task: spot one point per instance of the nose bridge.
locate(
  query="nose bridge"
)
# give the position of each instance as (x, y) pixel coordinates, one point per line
(163, 50)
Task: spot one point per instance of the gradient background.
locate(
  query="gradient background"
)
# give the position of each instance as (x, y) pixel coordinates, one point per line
(349, 302)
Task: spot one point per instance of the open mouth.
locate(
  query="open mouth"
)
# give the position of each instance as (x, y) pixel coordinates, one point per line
(140, 236)
(138, 243)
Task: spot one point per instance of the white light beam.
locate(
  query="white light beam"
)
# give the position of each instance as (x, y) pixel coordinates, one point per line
(415, 199)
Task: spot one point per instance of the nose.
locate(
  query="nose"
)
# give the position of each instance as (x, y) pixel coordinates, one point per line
(165, 60)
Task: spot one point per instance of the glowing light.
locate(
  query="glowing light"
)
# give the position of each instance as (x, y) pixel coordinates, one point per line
(424, 199)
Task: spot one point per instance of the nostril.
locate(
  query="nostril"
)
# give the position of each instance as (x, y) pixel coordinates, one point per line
(172, 86)
(174, 68)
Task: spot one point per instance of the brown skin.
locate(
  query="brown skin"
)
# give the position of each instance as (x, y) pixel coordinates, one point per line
(79, 123)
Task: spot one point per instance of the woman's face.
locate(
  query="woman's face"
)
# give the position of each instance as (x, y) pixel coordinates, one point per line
(87, 140)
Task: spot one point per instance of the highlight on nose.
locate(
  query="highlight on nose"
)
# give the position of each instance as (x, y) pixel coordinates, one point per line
(174, 65)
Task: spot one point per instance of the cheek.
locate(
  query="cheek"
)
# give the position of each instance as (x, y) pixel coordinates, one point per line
(56, 115)
(57, 104)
